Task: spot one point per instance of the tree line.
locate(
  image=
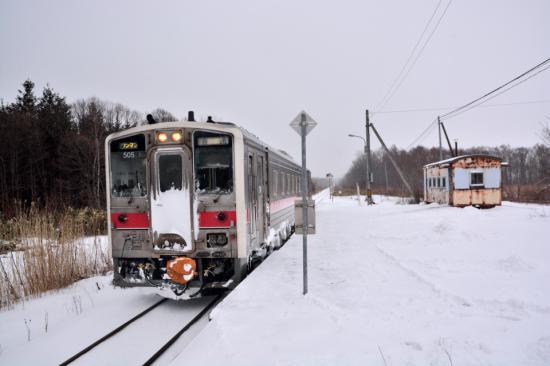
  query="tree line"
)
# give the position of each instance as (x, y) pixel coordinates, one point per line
(52, 151)
(527, 178)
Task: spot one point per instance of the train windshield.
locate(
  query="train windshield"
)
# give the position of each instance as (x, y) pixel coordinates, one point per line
(128, 167)
(213, 163)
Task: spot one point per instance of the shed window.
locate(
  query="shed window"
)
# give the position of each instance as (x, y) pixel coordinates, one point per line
(476, 178)
(444, 182)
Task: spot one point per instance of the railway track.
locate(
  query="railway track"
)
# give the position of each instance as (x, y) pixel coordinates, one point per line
(114, 339)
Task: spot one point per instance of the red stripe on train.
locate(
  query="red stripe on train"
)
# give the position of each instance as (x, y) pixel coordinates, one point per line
(122, 220)
(208, 219)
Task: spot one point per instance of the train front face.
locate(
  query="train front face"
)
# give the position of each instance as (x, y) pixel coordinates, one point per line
(172, 209)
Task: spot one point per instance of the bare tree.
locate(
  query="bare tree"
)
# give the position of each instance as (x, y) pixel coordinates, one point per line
(162, 115)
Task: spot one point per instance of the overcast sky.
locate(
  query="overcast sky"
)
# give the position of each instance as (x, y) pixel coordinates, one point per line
(258, 63)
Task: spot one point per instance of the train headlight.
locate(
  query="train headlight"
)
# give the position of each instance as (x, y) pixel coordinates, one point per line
(176, 136)
(212, 239)
(222, 239)
(216, 239)
(162, 137)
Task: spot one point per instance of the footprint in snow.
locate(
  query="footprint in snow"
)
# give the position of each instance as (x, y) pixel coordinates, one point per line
(414, 345)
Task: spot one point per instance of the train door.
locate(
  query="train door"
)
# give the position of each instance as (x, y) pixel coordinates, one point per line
(262, 192)
(253, 198)
(172, 200)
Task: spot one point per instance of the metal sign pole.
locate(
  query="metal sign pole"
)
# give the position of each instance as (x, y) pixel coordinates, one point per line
(303, 124)
(304, 198)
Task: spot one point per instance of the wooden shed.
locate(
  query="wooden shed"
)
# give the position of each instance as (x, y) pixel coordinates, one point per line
(464, 180)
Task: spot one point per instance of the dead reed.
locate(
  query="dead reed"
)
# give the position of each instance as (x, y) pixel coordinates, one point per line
(52, 251)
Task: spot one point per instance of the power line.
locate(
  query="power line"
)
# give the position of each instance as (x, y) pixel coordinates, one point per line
(501, 89)
(420, 53)
(436, 109)
(413, 51)
(491, 95)
(423, 134)
(410, 67)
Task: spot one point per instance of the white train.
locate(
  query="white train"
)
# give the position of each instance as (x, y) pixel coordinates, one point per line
(194, 205)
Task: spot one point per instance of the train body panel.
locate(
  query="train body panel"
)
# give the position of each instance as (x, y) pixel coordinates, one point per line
(192, 205)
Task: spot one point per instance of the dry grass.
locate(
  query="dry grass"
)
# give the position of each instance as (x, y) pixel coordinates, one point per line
(53, 250)
(527, 193)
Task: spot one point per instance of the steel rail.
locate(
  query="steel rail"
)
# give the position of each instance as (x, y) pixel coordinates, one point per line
(110, 334)
(172, 340)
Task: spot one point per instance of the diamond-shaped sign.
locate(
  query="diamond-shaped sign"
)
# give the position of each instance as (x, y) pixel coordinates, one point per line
(296, 123)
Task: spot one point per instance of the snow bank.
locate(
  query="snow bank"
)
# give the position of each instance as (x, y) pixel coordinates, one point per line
(48, 330)
(397, 285)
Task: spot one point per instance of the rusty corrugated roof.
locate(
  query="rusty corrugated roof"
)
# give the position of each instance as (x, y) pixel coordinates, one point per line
(456, 158)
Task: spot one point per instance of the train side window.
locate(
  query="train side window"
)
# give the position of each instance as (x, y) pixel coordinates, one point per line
(282, 184)
(275, 181)
(286, 184)
(213, 162)
(290, 185)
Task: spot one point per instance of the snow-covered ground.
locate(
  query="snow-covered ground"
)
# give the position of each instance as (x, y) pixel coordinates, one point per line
(388, 285)
(395, 285)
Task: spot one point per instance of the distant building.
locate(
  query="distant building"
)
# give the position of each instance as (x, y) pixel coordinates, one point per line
(464, 180)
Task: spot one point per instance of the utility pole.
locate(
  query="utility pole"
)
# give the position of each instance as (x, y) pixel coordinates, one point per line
(447, 138)
(330, 189)
(440, 144)
(456, 147)
(386, 174)
(368, 198)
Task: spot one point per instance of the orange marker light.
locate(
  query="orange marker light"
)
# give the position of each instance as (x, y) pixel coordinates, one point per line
(162, 137)
(176, 136)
